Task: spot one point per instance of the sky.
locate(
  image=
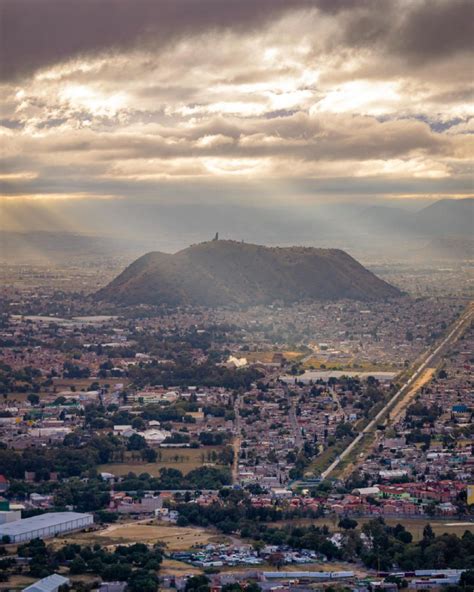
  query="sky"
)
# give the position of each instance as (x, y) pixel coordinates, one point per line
(275, 103)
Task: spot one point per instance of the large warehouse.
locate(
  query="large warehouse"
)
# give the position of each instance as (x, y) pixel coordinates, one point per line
(45, 526)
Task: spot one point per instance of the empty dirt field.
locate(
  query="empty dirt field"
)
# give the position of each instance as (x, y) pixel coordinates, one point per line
(170, 567)
(175, 538)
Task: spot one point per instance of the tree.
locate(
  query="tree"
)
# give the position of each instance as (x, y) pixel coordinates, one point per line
(252, 587)
(77, 566)
(136, 442)
(347, 523)
(197, 584)
(117, 572)
(258, 546)
(138, 424)
(149, 455)
(402, 534)
(428, 534)
(467, 578)
(142, 580)
(33, 399)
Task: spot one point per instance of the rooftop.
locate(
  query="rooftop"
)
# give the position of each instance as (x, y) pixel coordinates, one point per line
(47, 584)
(37, 522)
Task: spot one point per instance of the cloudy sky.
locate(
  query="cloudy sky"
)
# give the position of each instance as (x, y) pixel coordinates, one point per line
(250, 101)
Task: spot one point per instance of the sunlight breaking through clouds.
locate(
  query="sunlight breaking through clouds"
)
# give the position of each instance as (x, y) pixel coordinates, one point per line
(304, 89)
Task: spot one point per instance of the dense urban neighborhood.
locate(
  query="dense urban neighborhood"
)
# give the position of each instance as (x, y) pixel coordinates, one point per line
(207, 447)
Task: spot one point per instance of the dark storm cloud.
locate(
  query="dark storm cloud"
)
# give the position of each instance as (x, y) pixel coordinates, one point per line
(422, 30)
(129, 97)
(436, 29)
(36, 33)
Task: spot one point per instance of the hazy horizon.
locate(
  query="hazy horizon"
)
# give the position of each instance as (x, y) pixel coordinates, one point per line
(121, 118)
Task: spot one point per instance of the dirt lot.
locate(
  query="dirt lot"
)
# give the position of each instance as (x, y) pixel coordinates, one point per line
(17, 583)
(183, 459)
(266, 357)
(176, 538)
(171, 567)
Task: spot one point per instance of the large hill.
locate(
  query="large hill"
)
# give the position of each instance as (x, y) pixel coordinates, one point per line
(230, 272)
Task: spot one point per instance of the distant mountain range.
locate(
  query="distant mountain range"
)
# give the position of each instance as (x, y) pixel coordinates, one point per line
(121, 231)
(57, 248)
(228, 272)
(447, 217)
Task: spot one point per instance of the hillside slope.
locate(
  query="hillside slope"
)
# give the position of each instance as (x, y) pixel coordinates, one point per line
(229, 272)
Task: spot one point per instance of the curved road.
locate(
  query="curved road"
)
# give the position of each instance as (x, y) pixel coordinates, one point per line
(455, 332)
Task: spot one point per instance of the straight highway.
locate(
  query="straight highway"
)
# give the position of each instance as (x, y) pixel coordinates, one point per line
(430, 357)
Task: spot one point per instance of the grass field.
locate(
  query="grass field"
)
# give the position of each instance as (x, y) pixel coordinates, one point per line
(414, 526)
(170, 567)
(347, 363)
(175, 538)
(183, 459)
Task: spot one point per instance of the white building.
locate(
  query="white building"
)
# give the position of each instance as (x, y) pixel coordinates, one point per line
(45, 526)
(10, 516)
(155, 436)
(51, 583)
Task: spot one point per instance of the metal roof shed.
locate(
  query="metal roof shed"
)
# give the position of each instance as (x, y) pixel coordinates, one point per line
(45, 525)
(50, 584)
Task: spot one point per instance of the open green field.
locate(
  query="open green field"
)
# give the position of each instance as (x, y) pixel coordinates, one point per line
(183, 459)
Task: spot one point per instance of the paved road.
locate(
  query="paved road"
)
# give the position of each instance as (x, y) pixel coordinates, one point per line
(237, 441)
(294, 423)
(295, 427)
(430, 357)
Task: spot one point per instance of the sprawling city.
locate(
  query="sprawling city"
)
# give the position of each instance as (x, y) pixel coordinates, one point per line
(290, 446)
(236, 296)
